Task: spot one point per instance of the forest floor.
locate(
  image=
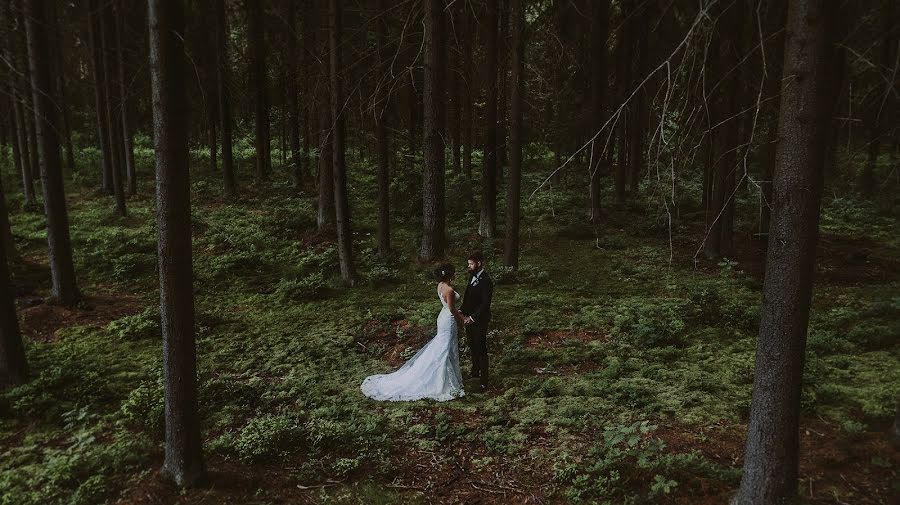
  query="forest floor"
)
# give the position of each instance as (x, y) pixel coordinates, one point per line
(621, 365)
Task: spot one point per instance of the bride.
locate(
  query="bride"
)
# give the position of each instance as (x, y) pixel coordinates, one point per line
(434, 371)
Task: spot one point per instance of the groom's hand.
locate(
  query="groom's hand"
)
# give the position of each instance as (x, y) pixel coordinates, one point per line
(469, 320)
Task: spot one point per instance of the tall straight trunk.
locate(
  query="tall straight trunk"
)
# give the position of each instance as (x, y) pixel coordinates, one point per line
(433, 207)
(28, 104)
(100, 98)
(62, 269)
(341, 200)
(771, 455)
(772, 87)
(13, 364)
(488, 225)
(294, 100)
(638, 111)
(115, 126)
(736, 92)
(171, 115)
(623, 83)
(502, 88)
(454, 113)
(383, 175)
(413, 104)
(224, 96)
(65, 110)
(127, 141)
(256, 39)
(517, 90)
(468, 93)
(599, 83)
(325, 216)
(12, 52)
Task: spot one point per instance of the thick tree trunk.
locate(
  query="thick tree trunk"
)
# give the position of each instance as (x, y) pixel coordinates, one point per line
(341, 200)
(599, 83)
(257, 40)
(772, 88)
(517, 90)
(224, 96)
(433, 207)
(487, 227)
(184, 451)
(62, 270)
(771, 454)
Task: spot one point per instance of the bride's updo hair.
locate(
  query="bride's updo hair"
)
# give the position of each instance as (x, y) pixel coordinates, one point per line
(444, 272)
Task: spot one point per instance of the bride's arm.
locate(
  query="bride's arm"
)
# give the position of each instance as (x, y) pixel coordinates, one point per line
(449, 295)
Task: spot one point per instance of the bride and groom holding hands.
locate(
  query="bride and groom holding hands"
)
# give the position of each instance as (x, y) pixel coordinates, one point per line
(434, 371)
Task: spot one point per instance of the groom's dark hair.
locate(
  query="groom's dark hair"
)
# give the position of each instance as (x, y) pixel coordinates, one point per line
(476, 256)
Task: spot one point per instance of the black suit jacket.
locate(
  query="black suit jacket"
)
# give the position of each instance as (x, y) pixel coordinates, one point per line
(477, 300)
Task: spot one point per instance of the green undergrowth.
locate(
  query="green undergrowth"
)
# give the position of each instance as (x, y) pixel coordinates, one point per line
(600, 347)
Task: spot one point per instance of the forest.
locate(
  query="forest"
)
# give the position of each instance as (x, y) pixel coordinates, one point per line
(220, 217)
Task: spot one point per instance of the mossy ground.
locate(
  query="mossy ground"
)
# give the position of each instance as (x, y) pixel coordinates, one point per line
(621, 366)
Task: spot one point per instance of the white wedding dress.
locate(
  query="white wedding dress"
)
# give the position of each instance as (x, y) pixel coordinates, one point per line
(432, 373)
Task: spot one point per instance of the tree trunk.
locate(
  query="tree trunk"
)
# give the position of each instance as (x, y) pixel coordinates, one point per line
(294, 100)
(28, 104)
(517, 90)
(382, 105)
(62, 270)
(66, 113)
(502, 88)
(488, 225)
(184, 451)
(12, 51)
(224, 96)
(433, 210)
(772, 87)
(771, 453)
(115, 137)
(127, 141)
(638, 112)
(257, 42)
(599, 80)
(13, 364)
(468, 94)
(623, 83)
(341, 200)
(100, 97)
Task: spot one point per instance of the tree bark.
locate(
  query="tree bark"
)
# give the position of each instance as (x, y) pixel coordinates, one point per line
(623, 83)
(12, 51)
(433, 207)
(294, 63)
(256, 36)
(341, 200)
(517, 90)
(127, 141)
(100, 98)
(13, 363)
(66, 113)
(184, 452)
(62, 270)
(223, 75)
(468, 94)
(771, 454)
(382, 105)
(599, 83)
(638, 112)
(115, 131)
(488, 225)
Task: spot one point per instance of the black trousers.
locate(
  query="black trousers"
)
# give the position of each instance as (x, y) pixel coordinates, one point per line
(476, 334)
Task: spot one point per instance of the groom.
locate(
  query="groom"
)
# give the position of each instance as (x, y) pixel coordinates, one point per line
(476, 307)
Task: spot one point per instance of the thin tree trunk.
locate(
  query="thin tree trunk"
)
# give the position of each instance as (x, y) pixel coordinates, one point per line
(100, 98)
(294, 100)
(13, 364)
(599, 83)
(127, 141)
(341, 200)
(66, 113)
(517, 91)
(382, 105)
(115, 137)
(433, 210)
(771, 463)
(638, 112)
(487, 227)
(62, 270)
(12, 53)
(468, 33)
(256, 36)
(623, 83)
(224, 96)
(184, 451)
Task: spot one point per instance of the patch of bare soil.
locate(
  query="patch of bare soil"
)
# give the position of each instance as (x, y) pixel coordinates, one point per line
(40, 321)
(556, 338)
(394, 337)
